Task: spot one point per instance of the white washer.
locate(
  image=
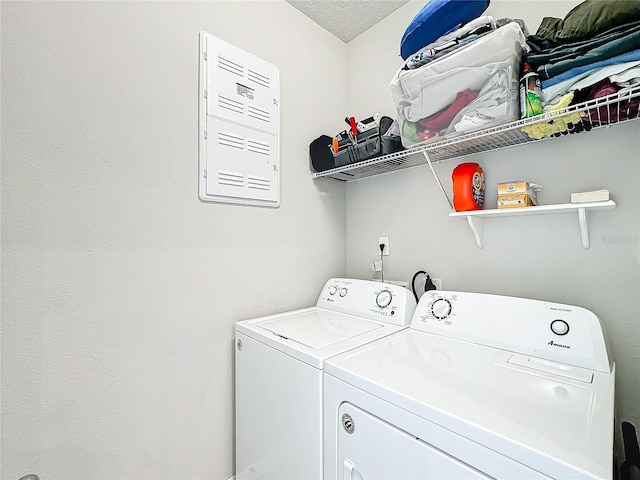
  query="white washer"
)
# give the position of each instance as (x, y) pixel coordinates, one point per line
(278, 364)
(480, 386)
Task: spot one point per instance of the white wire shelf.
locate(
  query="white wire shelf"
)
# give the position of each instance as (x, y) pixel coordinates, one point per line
(601, 112)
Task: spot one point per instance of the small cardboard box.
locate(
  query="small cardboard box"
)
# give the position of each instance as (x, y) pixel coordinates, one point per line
(516, 200)
(519, 187)
(518, 194)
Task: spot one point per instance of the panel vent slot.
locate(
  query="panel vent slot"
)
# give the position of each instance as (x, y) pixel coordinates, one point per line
(258, 147)
(259, 183)
(230, 140)
(230, 66)
(230, 178)
(258, 114)
(230, 104)
(259, 78)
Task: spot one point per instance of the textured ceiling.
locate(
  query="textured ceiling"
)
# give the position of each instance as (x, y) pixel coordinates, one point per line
(347, 19)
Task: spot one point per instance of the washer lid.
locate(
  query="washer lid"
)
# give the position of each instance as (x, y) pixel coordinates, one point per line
(319, 328)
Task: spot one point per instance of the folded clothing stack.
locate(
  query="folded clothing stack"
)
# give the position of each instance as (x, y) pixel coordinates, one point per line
(593, 52)
(468, 85)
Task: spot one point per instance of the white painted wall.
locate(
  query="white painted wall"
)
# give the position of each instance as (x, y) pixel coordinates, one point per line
(538, 257)
(119, 287)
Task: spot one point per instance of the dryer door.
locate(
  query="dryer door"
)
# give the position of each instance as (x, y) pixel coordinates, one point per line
(370, 448)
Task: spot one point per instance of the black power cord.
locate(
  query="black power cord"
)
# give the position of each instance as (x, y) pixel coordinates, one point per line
(381, 262)
(428, 283)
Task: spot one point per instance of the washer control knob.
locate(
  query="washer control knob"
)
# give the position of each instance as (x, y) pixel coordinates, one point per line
(383, 299)
(441, 308)
(343, 291)
(559, 327)
(332, 290)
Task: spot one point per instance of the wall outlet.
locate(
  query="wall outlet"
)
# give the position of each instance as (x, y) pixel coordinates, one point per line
(383, 241)
(437, 282)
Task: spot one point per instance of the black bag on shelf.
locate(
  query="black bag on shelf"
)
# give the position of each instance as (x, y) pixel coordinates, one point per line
(367, 145)
(391, 141)
(320, 154)
(376, 141)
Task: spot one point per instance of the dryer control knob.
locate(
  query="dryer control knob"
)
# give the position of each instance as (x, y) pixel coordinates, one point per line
(332, 290)
(343, 291)
(383, 299)
(441, 308)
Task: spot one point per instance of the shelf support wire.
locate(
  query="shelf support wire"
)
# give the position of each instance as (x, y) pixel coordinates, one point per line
(584, 229)
(477, 228)
(435, 175)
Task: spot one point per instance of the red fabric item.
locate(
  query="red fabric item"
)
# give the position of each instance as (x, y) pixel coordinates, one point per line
(602, 89)
(442, 119)
(617, 111)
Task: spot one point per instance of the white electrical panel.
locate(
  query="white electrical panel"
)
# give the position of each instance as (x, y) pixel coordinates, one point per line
(239, 126)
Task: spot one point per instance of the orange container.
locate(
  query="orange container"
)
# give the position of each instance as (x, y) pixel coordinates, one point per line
(468, 187)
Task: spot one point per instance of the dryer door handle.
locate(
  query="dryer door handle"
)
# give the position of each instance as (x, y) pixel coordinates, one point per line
(350, 472)
(348, 469)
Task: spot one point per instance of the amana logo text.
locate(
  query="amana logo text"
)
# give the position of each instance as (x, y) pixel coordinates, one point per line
(554, 344)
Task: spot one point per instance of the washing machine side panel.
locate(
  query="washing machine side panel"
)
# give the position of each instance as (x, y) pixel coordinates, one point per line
(362, 454)
(278, 414)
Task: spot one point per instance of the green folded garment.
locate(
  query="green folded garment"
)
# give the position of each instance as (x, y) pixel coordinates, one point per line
(589, 18)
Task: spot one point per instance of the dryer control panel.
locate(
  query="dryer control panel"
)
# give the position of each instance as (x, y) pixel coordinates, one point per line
(374, 300)
(562, 333)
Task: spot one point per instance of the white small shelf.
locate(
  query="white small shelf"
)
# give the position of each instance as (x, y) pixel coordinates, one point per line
(475, 218)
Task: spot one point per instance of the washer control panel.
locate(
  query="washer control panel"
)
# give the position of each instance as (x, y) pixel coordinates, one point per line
(558, 332)
(374, 300)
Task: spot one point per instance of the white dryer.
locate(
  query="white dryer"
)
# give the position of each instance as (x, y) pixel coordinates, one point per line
(279, 361)
(480, 386)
